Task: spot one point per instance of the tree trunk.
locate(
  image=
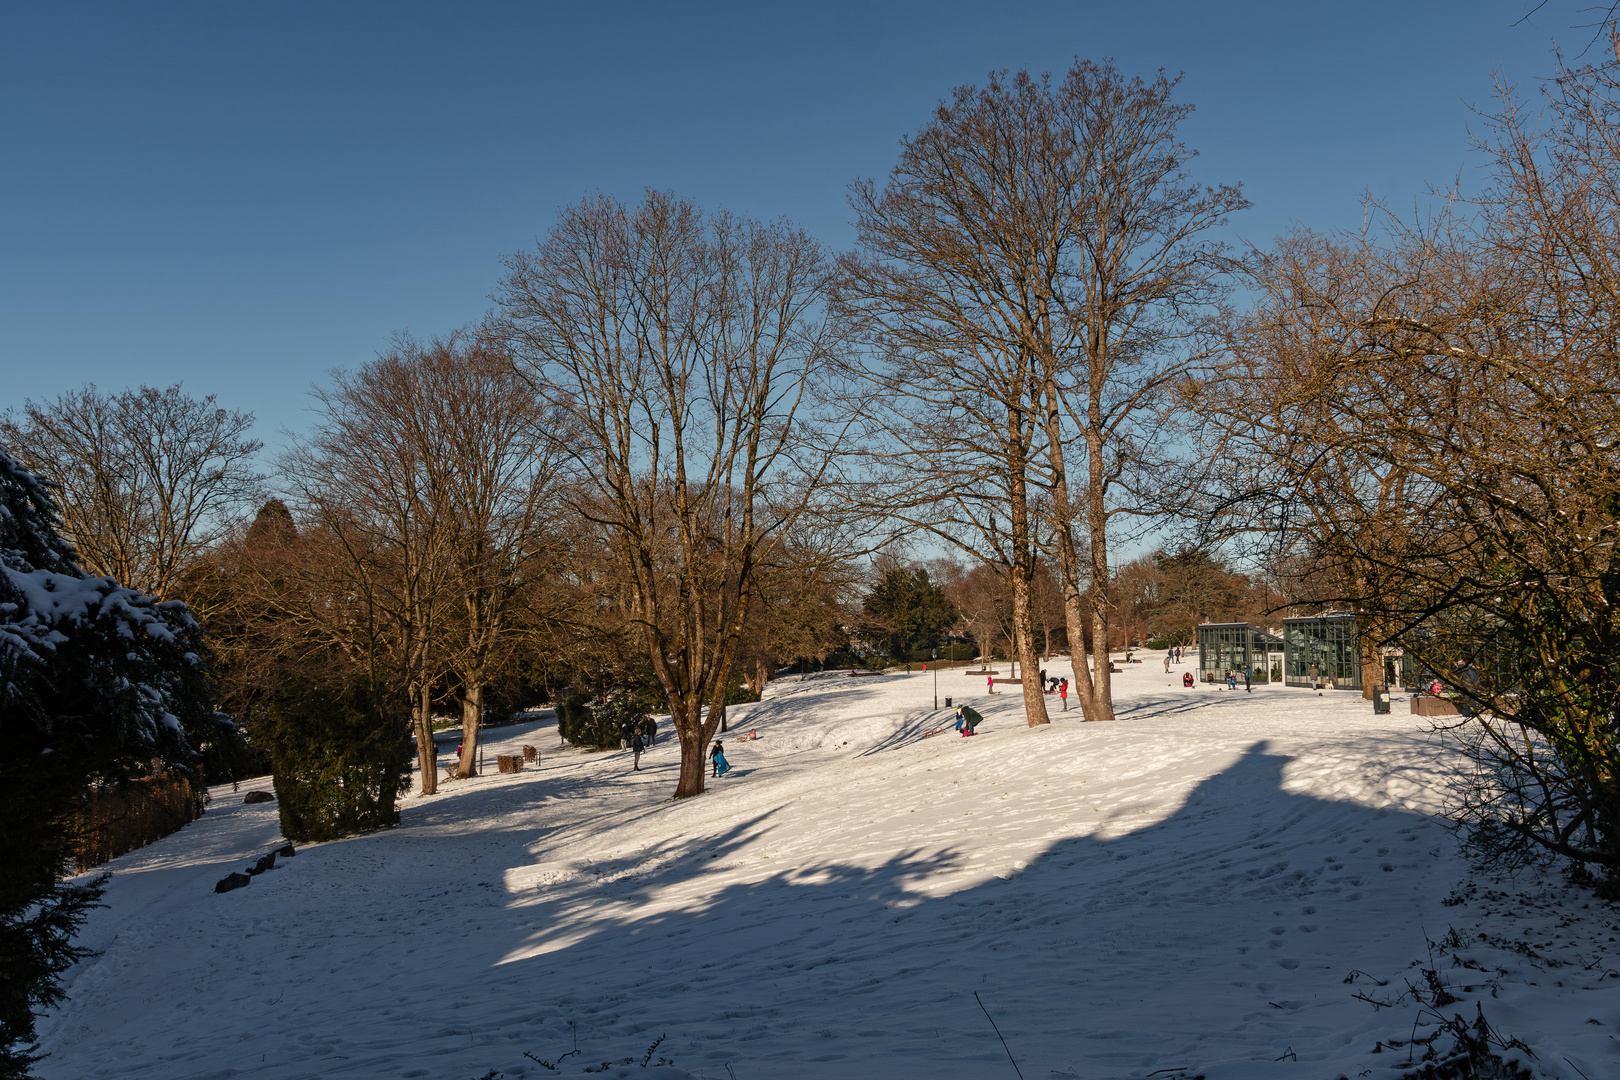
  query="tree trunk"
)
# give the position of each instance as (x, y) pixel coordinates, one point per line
(1102, 683)
(1094, 695)
(427, 756)
(689, 729)
(1372, 657)
(1075, 619)
(472, 722)
(1024, 649)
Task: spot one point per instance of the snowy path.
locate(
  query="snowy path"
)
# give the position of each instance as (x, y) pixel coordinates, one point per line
(1189, 886)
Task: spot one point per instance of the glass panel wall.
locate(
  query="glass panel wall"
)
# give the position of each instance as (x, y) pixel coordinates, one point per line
(1328, 641)
(1237, 647)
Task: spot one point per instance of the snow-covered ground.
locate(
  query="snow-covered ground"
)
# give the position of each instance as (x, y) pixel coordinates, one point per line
(1203, 887)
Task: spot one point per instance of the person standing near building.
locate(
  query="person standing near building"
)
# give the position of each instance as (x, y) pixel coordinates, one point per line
(1316, 679)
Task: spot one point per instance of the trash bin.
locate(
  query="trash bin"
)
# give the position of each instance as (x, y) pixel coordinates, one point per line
(947, 703)
(1380, 699)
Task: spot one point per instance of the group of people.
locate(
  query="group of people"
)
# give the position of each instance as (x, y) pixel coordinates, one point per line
(637, 736)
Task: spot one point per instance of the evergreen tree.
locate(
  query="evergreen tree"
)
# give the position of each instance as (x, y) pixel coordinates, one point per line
(910, 609)
(98, 684)
(341, 756)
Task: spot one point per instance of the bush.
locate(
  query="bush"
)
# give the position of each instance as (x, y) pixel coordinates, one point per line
(1158, 641)
(740, 694)
(596, 725)
(340, 762)
(572, 715)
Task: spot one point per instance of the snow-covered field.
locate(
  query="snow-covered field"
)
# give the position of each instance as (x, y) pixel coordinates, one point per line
(1202, 887)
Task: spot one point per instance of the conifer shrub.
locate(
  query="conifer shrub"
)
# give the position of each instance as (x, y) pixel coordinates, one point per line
(571, 714)
(596, 724)
(99, 685)
(340, 758)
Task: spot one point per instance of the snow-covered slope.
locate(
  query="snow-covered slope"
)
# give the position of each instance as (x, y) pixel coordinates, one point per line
(1182, 892)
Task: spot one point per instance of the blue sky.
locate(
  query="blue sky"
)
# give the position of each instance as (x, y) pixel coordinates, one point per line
(241, 197)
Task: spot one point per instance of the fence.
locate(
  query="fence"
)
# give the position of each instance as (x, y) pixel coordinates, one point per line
(122, 818)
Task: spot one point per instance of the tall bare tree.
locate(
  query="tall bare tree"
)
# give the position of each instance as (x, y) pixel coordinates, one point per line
(1030, 279)
(363, 479)
(146, 479)
(683, 349)
(487, 445)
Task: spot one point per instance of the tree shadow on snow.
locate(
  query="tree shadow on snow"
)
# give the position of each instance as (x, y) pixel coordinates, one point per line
(1191, 939)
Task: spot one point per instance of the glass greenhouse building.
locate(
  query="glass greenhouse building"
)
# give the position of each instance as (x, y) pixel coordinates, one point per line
(1238, 647)
(1328, 641)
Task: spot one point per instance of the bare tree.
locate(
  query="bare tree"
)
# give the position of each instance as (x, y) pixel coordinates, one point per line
(1472, 359)
(146, 479)
(799, 611)
(487, 445)
(363, 480)
(982, 599)
(1029, 280)
(1292, 481)
(683, 350)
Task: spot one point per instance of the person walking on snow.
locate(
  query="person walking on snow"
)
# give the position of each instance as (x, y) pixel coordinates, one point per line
(990, 682)
(1247, 688)
(635, 748)
(717, 754)
(1063, 693)
(1167, 663)
(1316, 680)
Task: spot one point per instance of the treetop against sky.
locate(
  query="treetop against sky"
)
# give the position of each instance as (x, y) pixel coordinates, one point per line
(242, 198)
